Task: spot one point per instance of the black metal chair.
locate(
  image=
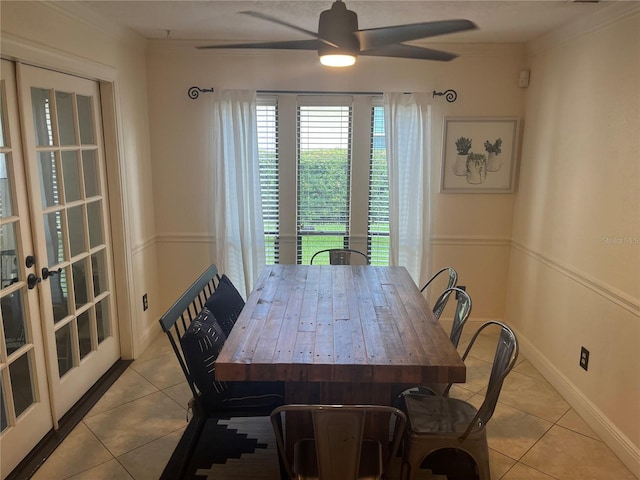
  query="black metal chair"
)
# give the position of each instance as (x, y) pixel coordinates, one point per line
(439, 422)
(341, 256)
(197, 338)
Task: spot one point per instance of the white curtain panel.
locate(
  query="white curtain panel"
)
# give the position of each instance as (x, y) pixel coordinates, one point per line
(407, 124)
(239, 232)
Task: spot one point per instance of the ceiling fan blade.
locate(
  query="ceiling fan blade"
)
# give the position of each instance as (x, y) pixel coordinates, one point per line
(379, 37)
(287, 24)
(286, 45)
(409, 51)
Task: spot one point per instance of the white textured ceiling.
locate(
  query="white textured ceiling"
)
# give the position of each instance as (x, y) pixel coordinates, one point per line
(219, 21)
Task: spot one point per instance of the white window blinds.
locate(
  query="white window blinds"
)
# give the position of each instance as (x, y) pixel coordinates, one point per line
(378, 224)
(324, 176)
(267, 120)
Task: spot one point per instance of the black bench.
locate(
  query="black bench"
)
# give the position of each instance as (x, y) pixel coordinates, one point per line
(197, 336)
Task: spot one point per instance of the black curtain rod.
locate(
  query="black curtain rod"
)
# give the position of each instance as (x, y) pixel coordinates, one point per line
(194, 92)
(449, 95)
(299, 92)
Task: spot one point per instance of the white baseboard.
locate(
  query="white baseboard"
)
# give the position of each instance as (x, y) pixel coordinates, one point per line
(619, 443)
(146, 337)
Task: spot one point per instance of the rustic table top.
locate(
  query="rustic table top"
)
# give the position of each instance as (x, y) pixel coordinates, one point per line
(338, 323)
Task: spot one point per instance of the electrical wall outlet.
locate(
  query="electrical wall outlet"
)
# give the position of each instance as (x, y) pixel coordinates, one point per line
(145, 302)
(461, 287)
(584, 358)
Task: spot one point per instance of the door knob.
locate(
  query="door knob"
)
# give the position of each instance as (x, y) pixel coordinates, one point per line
(32, 281)
(30, 261)
(46, 273)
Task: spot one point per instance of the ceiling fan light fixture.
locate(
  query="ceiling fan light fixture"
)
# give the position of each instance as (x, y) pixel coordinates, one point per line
(337, 60)
(339, 40)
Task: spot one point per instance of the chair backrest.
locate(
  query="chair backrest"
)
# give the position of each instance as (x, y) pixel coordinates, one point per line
(342, 256)
(178, 317)
(338, 434)
(503, 362)
(441, 302)
(463, 309)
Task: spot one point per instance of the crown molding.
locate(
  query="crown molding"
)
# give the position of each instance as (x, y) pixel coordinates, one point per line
(81, 12)
(612, 13)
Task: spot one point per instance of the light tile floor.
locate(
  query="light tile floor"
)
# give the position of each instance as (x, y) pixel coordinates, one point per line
(132, 431)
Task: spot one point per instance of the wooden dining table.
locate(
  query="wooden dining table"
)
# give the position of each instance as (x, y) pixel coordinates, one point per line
(338, 334)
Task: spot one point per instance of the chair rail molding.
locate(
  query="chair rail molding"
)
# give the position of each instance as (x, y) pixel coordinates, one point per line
(185, 238)
(475, 240)
(612, 294)
(144, 244)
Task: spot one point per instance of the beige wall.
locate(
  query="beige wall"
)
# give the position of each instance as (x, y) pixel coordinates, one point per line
(470, 231)
(44, 35)
(575, 265)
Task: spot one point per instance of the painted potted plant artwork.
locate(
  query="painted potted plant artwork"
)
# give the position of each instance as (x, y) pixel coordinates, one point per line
(493, 151)
(463, 145)
(476, 168)
(479, 154)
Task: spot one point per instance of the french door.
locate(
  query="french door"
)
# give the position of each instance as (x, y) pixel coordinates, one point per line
(63, 259)
(25, 413)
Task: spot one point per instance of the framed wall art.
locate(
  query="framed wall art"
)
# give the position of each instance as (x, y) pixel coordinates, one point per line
(479, 155)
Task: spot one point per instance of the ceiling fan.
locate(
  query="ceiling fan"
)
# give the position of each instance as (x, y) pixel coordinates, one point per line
(338, 40)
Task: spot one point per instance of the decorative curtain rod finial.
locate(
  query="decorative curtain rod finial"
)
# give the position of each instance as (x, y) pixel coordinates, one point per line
(194, 92)
(449, 95)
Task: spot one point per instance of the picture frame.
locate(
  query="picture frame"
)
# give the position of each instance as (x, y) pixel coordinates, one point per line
(479, 154)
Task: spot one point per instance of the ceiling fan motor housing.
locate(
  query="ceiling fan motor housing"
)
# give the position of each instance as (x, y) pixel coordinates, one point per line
(338, 25)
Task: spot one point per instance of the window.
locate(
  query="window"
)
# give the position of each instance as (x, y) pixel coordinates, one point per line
(323, 176)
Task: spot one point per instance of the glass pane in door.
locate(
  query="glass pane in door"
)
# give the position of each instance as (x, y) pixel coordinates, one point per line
(21, 383)
(90, 168)
(2, 120)
(66, 124)
(102, 320)
(64, 349)
(13, 322)
(85, 118)
(80, 283)
(94, 217)
(84, 333)
(3, 410)
(49, 184)
(59, 295)
(9, 272)
(6, 208)
(55, 241)
(99, 270)
(41, 104)
(71, 176)
(75, 220)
